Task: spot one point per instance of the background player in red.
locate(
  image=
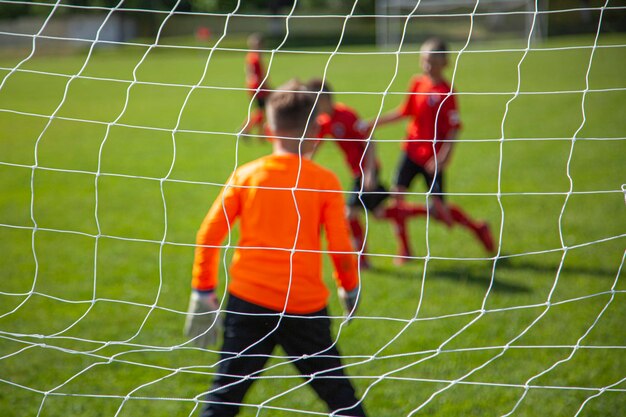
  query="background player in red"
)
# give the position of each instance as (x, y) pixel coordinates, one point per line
(276, 266)
(342, 123)
(434, 125)
(255, 74)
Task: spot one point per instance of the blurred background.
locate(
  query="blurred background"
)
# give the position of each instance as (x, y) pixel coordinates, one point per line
(312, 22)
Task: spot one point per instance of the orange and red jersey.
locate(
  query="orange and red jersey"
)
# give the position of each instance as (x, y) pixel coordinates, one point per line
(345, 127)
(254, 74)
(434, 113)
(282, 203)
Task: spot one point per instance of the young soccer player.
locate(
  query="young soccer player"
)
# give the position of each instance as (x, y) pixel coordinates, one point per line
(282, 201)
(255, 74)
(342, 123)
(434, 125)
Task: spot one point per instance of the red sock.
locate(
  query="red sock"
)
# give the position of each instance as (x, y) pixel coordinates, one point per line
(463, 219)
(357, 234)
(405, 247)
(359, 241)
(404, 210)
(480, 229)
(391, 213)
(397, 214)
(403, 241)
(256, 118)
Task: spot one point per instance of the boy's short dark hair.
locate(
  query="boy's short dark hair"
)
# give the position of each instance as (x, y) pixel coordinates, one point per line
(290, 108)
(435, 46)
(317, 84)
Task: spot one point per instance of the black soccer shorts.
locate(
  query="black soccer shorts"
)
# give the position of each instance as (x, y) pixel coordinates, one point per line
(408, 170)
(260, 102)
(368, 199)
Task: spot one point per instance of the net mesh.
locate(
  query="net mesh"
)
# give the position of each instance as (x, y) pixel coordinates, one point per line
(112, 153)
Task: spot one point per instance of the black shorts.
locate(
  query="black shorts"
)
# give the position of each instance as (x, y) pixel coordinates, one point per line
(260, 102)
(408, 170)
(251, 333)
(368, 199)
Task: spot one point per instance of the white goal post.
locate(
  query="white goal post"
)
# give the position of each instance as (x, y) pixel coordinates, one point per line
(511, 17)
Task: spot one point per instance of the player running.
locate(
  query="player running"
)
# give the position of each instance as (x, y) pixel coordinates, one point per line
(342, 123)
(255, 74)
(434, 125)
(283, 201)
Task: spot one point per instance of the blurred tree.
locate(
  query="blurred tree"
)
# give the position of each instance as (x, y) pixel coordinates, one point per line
(9, 11)
(367, 7)
(273, 6)
(215, 6)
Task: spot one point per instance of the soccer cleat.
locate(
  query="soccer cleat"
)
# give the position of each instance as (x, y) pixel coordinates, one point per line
(484, 234)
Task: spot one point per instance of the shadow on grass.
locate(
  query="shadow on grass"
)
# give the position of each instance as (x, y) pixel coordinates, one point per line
(536, 267)
(481, 276)
(477, 276)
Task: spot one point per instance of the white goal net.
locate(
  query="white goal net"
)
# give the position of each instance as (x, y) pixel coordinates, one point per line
(120, 122)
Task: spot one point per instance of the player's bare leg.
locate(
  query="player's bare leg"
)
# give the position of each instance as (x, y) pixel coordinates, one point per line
(358, 236)
(396, 214)
(256, 120)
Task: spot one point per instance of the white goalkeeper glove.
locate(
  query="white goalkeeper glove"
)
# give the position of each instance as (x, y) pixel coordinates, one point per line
(200, 324)
(349, 300)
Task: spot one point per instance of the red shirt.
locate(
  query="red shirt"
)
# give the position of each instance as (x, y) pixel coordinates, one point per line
(345, 126)
(254, 73)
(273, 221)
(434, 114)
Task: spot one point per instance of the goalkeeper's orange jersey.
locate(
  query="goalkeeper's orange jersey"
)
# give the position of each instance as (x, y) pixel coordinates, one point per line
(282, 202)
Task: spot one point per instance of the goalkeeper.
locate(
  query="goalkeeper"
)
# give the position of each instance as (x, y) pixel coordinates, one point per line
(342, 123)
(434, 125)
(282, 202)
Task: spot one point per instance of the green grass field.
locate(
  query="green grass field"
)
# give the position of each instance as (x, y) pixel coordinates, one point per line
(97, 226)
